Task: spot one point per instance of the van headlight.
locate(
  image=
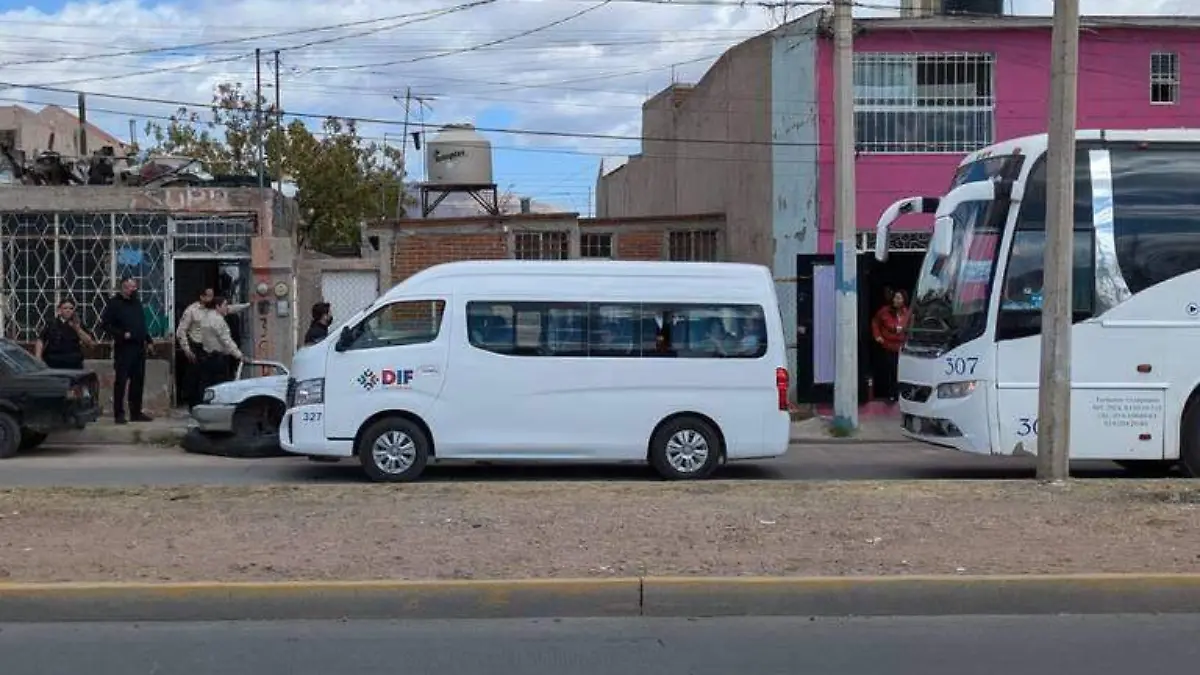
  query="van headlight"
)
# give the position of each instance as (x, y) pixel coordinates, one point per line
(310, 392)
(955, 389)
(210, 395)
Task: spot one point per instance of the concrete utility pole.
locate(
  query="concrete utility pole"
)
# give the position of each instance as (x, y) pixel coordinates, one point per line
(82, 145)
(1054, 384)
(258, 135)
(278, 127)
(845, 385)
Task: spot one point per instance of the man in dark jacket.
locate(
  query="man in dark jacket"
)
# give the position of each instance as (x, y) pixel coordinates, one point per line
(124, 320)
(322, 316)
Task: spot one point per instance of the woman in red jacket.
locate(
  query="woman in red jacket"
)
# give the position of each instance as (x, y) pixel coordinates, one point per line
(889, 328)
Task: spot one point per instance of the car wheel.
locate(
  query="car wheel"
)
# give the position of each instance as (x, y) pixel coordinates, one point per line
(31, 439)
(1189, 440)
(393, 450)
(685, 448)
(10, 436)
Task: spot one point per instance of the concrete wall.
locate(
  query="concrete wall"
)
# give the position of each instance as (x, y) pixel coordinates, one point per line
(1114, 92)
(310, 268)
(726, 168)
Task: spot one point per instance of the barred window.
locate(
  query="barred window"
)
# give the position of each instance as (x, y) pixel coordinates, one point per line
(692, 246)
(596, 246)
(1164, 78)
(543, 246)
(923, 103)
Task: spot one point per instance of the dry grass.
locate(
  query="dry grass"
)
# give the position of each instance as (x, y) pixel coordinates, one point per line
(552, 529)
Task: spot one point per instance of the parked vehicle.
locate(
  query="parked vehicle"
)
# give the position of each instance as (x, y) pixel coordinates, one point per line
(682, 365)
(36, 400)
(240, 418)
(969, 369)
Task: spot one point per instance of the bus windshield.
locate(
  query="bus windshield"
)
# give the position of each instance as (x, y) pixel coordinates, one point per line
(950, 303)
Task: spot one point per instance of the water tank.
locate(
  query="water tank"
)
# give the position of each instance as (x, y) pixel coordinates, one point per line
(973, 7)
(458, 155)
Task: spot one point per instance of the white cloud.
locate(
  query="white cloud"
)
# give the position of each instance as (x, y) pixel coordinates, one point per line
(588, 75)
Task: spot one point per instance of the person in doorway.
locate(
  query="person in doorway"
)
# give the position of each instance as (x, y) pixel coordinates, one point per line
(322, 316)
(889, 327)
(188, 334)
(218, 345)
(124, 319)
(61, 343)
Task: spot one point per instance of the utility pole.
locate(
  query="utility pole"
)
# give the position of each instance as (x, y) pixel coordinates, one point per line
(845, 385)
(1054, 383)
(82, 145)
(403, 154)
(278, 127)
(258, 135)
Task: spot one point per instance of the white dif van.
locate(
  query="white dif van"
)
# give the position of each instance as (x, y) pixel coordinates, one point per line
(681, 365)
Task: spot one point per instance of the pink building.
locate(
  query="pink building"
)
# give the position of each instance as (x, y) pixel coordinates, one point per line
(753, 138)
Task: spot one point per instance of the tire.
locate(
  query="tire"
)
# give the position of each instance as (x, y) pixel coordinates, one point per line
(1189, 440)
(403, 450)
(31, 439)
(10, 436)
(685, 448)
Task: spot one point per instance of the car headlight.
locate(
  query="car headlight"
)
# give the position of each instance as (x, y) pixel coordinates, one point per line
(210, 395)
(955, 389)
(310, 392)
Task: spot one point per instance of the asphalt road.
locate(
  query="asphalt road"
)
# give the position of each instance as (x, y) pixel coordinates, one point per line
(127, 465)
(1062, 645)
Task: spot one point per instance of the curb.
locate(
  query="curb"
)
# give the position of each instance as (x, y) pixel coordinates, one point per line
(849, 440)
(621, 597)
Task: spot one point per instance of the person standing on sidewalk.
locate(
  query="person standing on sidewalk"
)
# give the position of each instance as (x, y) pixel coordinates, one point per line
(322, 316)
(889, 328)
(220, 350)
(188, 335)
(124, 319)
(61, 343)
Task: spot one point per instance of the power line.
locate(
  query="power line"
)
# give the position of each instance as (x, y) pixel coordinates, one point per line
(472, 48)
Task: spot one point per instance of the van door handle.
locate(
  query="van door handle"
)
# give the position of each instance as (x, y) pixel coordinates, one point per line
(428, 370)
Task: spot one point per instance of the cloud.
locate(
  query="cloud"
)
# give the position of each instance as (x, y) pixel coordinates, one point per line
(586, 75)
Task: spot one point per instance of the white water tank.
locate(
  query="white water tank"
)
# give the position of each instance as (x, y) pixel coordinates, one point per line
(458, 155)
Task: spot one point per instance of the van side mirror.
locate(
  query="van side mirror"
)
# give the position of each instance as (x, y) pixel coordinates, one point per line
(345, 338)
(942, 240)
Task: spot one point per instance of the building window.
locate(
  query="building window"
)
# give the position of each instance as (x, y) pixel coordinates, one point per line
(596, 246)
(923, 103)
(1164, 78)
(543, 246)
(692, 246)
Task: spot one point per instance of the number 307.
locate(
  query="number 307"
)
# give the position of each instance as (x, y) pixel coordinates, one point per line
(310, 417)
(961, 366)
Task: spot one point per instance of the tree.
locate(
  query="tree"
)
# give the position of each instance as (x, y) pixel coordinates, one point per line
(341, 178)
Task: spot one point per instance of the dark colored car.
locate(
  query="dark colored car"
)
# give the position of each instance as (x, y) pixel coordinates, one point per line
(36, 400)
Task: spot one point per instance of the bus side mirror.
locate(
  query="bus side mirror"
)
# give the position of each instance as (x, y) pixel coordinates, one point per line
(344, 340)
(942, 239)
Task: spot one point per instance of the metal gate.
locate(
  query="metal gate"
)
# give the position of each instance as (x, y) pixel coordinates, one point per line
(348, 291)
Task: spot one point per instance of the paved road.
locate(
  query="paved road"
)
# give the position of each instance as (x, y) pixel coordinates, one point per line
(94, 465)
(1063, 645)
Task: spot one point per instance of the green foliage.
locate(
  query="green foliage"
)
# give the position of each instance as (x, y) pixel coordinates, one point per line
(342, 179)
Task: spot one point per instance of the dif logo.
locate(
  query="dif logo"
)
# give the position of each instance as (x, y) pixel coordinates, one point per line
(395, 378)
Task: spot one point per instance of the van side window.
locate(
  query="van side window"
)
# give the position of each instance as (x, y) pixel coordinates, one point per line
(618, 330)
(411, 322)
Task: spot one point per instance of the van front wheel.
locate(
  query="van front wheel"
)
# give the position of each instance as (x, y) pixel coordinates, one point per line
(686, 448)
(393, 450)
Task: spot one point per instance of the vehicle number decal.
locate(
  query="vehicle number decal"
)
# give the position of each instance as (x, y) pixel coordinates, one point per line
(310, 417)
(961, 366)
(1027, 426)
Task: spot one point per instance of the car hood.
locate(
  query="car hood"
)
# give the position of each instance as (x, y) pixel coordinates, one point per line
(234, 391)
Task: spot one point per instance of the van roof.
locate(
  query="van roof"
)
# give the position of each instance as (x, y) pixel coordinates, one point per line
(590, 268)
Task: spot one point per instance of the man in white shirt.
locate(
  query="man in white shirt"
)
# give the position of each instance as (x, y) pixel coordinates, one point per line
(217, 345)
(188, 336)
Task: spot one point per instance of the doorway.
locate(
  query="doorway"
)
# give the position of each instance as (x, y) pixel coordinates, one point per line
(229, 278)
(898, 273)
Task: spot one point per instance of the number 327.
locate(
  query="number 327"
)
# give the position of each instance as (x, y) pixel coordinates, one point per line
(310, 417)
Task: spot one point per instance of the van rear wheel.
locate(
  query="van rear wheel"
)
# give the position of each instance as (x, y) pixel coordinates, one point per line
(685, 448)
(393, 450)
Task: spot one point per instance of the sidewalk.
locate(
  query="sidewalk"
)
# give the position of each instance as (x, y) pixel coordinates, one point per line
(871, 429)
(165, 430)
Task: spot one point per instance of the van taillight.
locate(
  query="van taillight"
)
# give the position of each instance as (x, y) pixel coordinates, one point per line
(781, 387)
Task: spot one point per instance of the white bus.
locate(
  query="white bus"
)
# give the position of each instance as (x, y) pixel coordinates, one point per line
(969, 369)
(681, 365)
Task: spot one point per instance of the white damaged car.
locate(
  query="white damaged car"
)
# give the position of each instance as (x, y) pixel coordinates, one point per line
(240, 418)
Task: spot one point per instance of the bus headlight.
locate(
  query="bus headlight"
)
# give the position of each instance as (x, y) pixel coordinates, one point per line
(310, 392)
(955, 389)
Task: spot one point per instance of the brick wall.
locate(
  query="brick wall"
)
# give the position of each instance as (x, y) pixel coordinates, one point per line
(640, 246)
(415, 252)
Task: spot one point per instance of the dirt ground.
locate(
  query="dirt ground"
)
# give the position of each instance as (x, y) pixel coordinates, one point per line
(557, 529)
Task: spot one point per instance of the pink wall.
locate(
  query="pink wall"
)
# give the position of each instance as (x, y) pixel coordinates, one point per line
(1114, 92)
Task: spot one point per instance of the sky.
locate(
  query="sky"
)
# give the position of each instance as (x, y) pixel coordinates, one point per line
(573, 71)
